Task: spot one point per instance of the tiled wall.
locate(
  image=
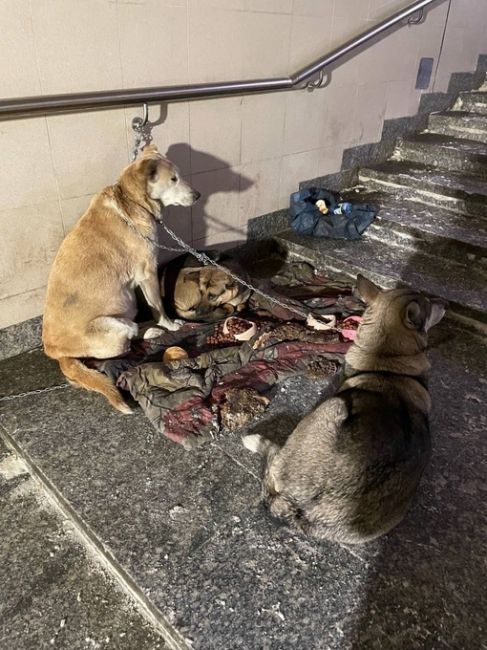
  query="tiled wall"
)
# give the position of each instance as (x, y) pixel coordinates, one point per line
(244, 154)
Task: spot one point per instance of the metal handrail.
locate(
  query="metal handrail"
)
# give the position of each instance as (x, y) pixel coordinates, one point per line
(69, 102)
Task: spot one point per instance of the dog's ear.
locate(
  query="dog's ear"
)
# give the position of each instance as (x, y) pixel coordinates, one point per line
(193, 276)
(366, 290)
(150, 149)
(414, 316)
(150, 168)
(423, 314)
(436, 313)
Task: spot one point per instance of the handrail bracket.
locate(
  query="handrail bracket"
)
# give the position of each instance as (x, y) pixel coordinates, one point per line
(323, 80)
(417, 19)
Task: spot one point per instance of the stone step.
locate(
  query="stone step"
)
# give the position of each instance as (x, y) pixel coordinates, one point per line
(424, 228)
(469, 126)
(457, 192)
(445, 152)
(393, 266)
(474, 102)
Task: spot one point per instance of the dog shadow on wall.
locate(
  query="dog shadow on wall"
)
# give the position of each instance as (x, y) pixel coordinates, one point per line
(197, 225)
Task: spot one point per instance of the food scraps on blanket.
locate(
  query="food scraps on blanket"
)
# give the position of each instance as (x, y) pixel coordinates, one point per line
(241, 406)
(349, 327)
(324, 323)
(240, 329)
(221, 383)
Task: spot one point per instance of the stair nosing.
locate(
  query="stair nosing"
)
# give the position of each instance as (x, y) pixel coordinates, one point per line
(424, 138)
(421, 235)
(427, 186)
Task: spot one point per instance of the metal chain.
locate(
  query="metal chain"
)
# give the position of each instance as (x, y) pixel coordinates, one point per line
(151, 241)
(204, 259)
(142, 130)
(38, 391)
(142, 136)
(137, 141)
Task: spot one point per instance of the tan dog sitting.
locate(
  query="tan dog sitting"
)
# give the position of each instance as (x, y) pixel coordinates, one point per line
(90, 304)
(349, 470)
(203, 293)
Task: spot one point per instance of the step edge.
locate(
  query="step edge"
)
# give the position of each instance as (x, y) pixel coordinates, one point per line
(422, 237)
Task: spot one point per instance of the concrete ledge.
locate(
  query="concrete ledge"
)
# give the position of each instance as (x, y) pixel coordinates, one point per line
(20, 337)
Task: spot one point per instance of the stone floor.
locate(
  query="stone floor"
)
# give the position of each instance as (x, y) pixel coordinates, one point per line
(150, 542)
(54, 593)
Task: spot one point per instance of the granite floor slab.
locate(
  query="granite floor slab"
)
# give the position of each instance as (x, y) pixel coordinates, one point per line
(53, 594)
(190, 530)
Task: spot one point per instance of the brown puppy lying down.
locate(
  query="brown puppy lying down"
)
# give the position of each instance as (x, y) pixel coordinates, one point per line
(348, 471)
(203, 293)
(90, 303)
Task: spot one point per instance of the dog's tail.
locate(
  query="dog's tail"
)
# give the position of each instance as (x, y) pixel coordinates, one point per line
(79, 374)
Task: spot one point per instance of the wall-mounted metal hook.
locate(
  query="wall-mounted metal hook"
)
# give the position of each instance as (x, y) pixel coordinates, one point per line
(417, 18)
(321, 82)
(138, 123)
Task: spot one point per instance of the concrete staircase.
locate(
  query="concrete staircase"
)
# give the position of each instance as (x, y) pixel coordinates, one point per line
(431, 231)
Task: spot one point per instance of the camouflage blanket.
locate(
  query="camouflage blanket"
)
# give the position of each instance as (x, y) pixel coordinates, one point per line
(186, 399)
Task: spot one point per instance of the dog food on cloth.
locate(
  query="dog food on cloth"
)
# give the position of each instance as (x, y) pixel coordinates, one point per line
(319, 212)
(192, 398)
(231, 330)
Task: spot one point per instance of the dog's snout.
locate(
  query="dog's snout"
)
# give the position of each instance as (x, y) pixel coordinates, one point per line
(196, 195)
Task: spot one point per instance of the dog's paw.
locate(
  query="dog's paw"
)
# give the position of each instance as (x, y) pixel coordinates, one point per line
(153, 333)
(170, 325)
(253, 442)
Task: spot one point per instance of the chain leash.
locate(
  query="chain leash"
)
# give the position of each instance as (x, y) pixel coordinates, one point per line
(204, 259)
(142, 129)
(37, 391)
(143, 133)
